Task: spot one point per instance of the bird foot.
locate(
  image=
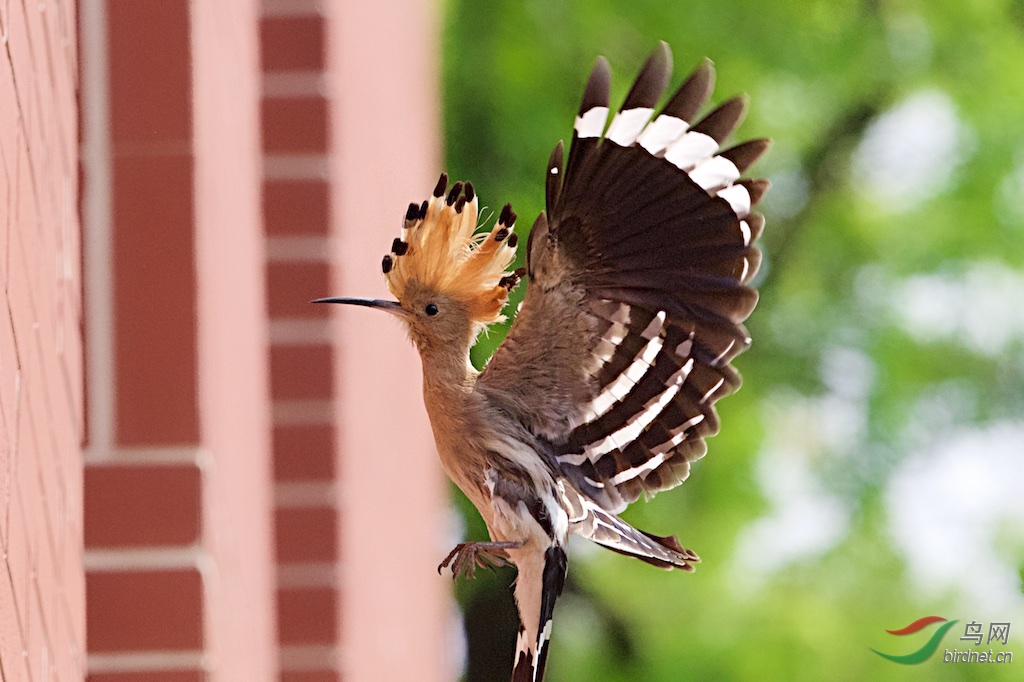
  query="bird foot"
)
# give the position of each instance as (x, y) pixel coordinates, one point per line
(466, 556)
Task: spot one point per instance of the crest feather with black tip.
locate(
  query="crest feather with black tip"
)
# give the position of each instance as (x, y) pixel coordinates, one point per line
(440, 249)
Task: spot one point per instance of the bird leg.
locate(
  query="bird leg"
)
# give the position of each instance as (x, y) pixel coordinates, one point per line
(468, 555)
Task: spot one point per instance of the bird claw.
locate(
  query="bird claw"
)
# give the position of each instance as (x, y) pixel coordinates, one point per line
(466, 556)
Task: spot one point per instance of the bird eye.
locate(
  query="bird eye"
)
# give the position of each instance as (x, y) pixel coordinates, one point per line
(431, 309)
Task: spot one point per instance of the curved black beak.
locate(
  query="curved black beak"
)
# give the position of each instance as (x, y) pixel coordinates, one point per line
(392, 307)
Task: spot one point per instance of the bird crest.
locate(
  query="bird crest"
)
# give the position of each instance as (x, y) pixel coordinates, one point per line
(441, 250)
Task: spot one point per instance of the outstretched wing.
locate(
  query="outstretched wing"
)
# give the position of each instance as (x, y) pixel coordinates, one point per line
(638, 288)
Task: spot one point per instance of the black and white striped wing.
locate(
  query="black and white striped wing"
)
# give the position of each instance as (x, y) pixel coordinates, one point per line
(638, 287)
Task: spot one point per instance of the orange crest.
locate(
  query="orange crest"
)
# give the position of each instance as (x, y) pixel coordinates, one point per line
(440, 250)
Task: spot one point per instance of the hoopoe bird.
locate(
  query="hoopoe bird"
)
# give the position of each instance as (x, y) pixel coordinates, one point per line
(638, 278)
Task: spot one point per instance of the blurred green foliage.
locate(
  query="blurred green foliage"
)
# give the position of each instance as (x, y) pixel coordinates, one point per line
(887, 295)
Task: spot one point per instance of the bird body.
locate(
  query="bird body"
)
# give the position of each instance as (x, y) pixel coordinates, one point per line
(604, 389)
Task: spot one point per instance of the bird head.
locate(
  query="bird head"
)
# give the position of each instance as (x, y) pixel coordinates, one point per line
(449, 281)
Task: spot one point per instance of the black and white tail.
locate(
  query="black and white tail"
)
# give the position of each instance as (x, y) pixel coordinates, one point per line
(538, 586)
(608, 530)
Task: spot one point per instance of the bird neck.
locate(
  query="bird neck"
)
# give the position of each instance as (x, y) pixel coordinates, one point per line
(448, 375)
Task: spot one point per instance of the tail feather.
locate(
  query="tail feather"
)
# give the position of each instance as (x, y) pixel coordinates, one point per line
(533, 586)
(608, 530)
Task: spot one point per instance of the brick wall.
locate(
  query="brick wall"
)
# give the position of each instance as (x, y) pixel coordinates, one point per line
(143, 465)
(42, 625)
(177, 481)
(296, 202)
(350, 137)
(236, 516)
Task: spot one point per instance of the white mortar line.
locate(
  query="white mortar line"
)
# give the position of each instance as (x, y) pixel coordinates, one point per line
(143, 559)
(97, 230)
(146, 661)
(296, 657)
(296, 575)
(292, 8)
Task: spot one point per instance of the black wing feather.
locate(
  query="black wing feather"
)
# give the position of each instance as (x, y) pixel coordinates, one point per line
(651, 81)
(692, 94)
(720, 123)
(638, 281)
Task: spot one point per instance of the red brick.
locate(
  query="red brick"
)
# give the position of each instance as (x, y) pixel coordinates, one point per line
(292, 43)
(296, 207)
(159, 676)
(144, 610)
(310, 676)
(307, 615)
(155, 300)
(301, 372)
(147, 505)
(304, 452)
(306, 534)
(150, 71)
(294, 125)
(291, 287)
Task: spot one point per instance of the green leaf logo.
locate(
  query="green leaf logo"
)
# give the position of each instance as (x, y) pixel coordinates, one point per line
(925, 652)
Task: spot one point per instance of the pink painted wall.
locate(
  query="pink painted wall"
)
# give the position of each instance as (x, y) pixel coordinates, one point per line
(42, 616)
(233, 364)
(396, 615)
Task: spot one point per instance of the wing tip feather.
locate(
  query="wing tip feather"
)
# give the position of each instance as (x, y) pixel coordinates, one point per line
(694, 91)
(553, 180)
(652, 79)
(745, 154)
(598, 89)
(724, 119)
